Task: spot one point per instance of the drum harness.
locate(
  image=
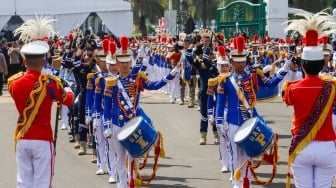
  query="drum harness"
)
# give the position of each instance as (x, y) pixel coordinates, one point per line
(158, 151)
(271, 157)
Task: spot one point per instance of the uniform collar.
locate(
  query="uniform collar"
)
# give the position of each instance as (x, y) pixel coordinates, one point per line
(34, 72)
(236, 76)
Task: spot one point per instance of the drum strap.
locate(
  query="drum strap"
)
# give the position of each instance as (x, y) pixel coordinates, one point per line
(124, 94)
(240, 93)
(313, 124)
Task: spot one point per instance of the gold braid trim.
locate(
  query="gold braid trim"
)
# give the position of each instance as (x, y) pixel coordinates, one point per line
(222, 77)
(260, 72)
(212, 82)
(110, 82)
(57, 80)
(34, 101)
(142, 75)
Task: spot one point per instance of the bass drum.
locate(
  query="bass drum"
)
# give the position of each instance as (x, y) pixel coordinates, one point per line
(254, 137)
(138, 136)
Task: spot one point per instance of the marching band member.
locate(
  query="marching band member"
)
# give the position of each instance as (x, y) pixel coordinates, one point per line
(33, 135)
(91, 113)
(121, 100)
(254, 56)
(238, 94)
(173, 58)
(67, 76)
(327, 49)
(188, 74)
(223, 65)
(105, 146)
(312, 152)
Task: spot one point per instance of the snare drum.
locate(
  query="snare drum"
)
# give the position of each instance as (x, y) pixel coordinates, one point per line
(254, 137)
(137, 136)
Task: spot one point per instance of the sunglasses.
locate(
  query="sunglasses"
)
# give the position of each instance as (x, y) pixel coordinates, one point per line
(89, 55)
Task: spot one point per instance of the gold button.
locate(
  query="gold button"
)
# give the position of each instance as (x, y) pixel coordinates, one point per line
(126, 107)
(121, 117)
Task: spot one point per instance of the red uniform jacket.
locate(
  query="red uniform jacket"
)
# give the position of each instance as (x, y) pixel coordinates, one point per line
(302, 95)
(20, 89)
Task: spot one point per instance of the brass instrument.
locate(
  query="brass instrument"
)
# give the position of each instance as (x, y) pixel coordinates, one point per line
(77, 32)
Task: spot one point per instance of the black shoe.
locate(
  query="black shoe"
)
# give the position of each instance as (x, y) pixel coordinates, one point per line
(72, 140)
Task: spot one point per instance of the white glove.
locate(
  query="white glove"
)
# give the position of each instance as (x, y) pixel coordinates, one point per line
(108, 133)
(211, 119)
(287, 65)
(175, 71)
(222, 129)
(145, 61)
(96, 123)
(87, 120)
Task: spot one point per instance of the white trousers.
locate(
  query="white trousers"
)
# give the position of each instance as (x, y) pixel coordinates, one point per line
(65, 116)
(237, 155)
(224, 151)
(110, 156)
(315, 166)
(175, 87)
(35, 163)
(100, 146)
(121, 158)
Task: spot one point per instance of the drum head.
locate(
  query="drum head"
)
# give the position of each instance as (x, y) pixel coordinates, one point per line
(245, 129)
(129, 128)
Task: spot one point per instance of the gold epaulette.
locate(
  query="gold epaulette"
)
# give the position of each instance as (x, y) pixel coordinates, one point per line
(142, 75)
(212, 82)
(90, 75)
(97, 80)
(56, 79)
(259, 72)
(110, 82)
(222, 77)
(327, 77)
(288, 83)
(15, 76)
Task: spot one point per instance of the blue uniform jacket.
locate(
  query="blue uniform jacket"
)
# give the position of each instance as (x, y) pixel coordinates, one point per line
(116, 109)
(227, 94)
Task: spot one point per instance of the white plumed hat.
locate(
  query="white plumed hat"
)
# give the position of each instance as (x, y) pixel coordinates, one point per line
(312, 27)
(33, 32)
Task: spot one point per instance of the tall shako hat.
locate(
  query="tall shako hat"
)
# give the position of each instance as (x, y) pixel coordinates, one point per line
(255, 41)
(124, 54)
(327, 48)
(103, 51)
(222, 58)
(239, 53)
(111, 58)
(312, 27)
(33, 32)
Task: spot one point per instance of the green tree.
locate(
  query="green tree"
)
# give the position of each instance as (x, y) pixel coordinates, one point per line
(313, 6)
(150, 10)
(204, 10)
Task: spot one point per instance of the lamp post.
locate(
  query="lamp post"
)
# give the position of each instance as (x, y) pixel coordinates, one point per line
(237, 30)
(213, 25)
(334, 15)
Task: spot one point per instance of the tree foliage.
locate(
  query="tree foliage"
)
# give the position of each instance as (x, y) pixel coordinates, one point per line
(205, 10)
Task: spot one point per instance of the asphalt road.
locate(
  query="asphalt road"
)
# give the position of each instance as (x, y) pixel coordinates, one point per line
(187, 164)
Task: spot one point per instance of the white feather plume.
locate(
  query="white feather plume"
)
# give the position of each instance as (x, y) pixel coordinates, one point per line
(321, 22)
(35, 29)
